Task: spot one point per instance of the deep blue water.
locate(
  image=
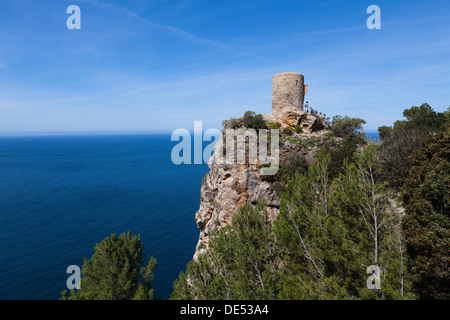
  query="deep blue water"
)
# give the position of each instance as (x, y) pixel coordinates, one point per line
(373, 134)
(60, 195)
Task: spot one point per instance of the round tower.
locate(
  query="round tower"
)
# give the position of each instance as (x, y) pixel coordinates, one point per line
(288, 93)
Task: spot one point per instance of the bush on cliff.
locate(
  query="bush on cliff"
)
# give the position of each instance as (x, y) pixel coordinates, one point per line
(288, 131)
(254, 121)
(250, 120)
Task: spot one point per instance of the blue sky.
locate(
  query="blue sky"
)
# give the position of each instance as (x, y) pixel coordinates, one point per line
(158, 65)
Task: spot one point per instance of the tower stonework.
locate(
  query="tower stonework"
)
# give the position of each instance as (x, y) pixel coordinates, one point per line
(288, 94)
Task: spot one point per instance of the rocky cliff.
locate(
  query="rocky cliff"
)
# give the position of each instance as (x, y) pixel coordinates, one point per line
(227, 187)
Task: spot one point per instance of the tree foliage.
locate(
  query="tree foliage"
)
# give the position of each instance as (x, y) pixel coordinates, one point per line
(345, 138)
(115, 272)
(426, 195)
(330, 231)
(251, 120)
(350, 129)
(400, 141)
(241, 262)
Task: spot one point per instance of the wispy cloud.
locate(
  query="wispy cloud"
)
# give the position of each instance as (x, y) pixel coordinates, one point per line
(170, 29)
(139, 74)
(173, 30)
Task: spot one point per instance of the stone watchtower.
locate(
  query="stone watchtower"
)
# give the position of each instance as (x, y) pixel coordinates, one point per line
(288, 94)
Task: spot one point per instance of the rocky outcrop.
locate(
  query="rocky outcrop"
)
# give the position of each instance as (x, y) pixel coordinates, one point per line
(227, 187)
(308, 122)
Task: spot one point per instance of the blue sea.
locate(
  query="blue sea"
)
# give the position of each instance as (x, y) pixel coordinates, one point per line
(60, 195)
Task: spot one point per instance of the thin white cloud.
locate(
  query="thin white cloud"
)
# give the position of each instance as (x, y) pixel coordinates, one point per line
(173, 30)
(170, 29)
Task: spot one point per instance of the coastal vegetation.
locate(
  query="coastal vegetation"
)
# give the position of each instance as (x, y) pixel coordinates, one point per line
(327, 233)
(357, 204)
(116, 271)
(338, 216)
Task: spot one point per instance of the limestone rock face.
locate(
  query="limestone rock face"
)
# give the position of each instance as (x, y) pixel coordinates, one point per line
(311, 123)
(227, 187)
(291, 118)
(308, 122)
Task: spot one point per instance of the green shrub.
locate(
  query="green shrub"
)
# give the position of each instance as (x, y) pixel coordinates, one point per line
(274, 125)
(288, 131)
(298, 128)
(254, 121)
(292, 165)
(277, 187)
(349, 128)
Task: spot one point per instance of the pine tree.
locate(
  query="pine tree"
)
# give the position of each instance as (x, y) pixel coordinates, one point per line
(114, 272)
(375, 221)
(241, 262)
(427, 224)
(314, 243)
(400, 141)
(330, 232)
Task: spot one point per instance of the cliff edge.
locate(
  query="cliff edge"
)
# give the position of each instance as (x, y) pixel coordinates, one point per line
(227, 187)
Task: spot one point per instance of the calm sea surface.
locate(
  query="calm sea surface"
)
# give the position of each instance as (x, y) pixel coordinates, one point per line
(60, 195)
